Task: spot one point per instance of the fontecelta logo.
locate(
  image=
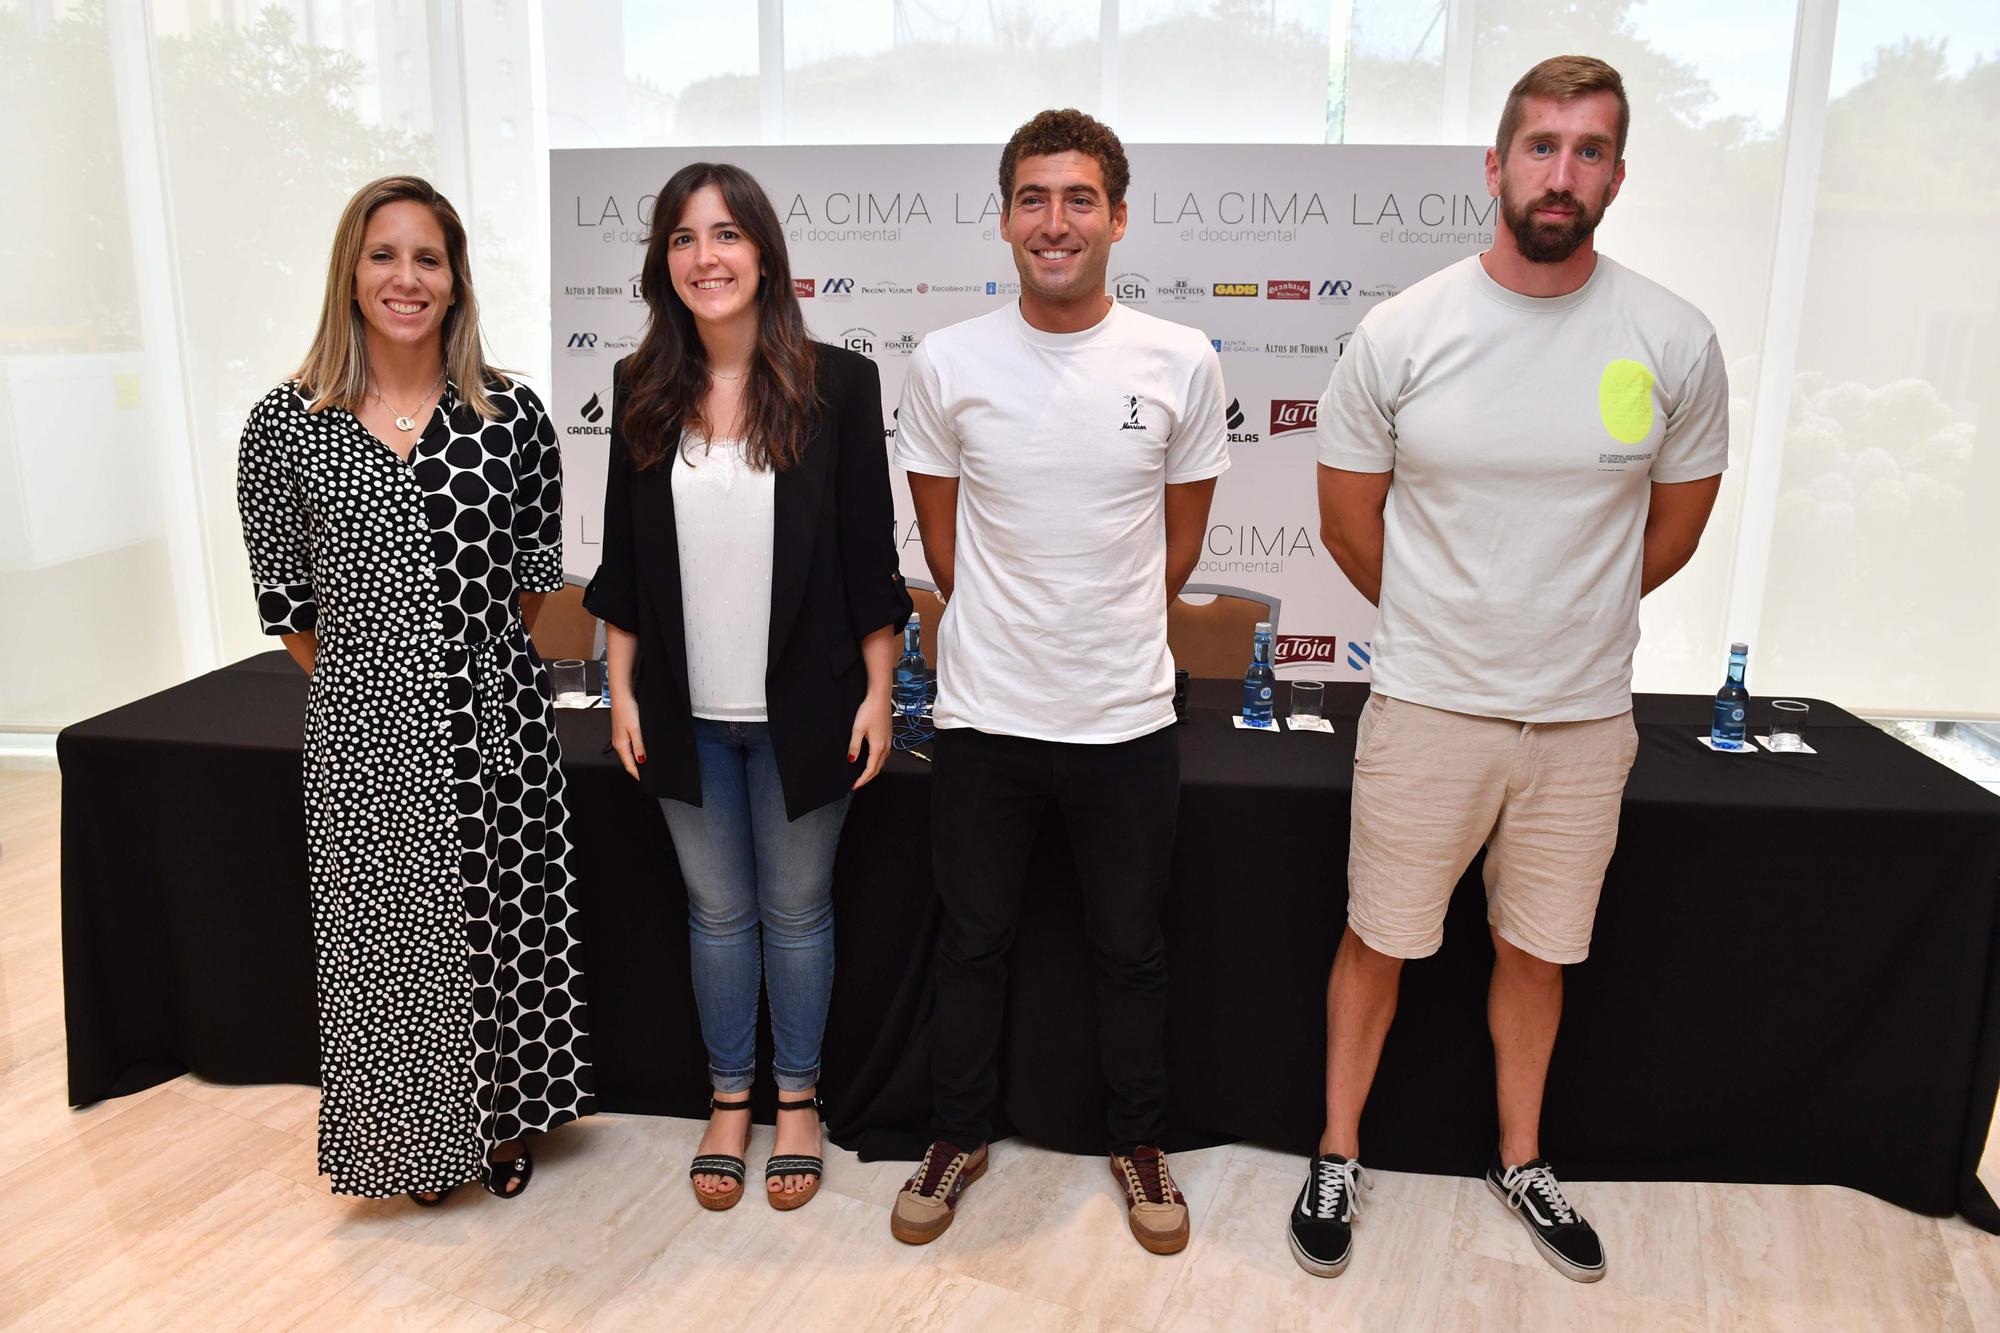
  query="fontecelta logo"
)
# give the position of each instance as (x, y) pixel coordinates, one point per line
(1129, 288)
(1288, 289)
(1180, 290)
(1235, 289)
(1290, 414)
(859, 340)
(802, 288)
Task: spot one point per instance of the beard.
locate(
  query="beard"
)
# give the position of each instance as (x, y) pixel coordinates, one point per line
(1551, 242)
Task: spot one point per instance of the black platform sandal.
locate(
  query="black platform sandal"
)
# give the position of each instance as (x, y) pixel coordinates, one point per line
(417, 1197)
(497, 1176)
(719, 1164)
(793, 1164)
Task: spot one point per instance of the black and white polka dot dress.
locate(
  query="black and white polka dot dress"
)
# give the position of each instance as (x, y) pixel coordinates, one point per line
(451, 1011)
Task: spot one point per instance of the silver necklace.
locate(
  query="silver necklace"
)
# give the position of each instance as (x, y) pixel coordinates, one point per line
(406, 421)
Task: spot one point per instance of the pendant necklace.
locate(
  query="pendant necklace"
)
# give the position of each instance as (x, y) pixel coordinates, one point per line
(405, 421)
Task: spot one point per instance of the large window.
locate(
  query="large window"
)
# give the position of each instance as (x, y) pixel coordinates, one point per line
(186, 161)
(1884, 586)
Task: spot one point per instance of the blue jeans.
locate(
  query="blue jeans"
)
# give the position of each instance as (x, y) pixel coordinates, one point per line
(748, 867)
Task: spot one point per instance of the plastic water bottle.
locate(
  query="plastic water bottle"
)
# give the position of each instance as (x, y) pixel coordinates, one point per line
(604, 678)
(1260, 683)
(1732, 703)
(915, 683)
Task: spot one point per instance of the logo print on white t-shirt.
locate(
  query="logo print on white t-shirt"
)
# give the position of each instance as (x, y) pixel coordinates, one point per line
(1625, 401)
(1132, 404)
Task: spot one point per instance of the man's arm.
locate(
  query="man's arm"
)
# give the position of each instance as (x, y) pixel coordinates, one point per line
(1187, 521)
(1350, 523)
(1675, 516)
(936, 503)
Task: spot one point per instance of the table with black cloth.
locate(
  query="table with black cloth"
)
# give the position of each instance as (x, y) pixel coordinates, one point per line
(1792, 978)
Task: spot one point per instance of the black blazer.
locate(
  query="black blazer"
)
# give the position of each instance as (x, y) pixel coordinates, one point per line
(833, 583)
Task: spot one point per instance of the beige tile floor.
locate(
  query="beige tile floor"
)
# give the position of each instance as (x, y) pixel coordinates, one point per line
(196, 1206)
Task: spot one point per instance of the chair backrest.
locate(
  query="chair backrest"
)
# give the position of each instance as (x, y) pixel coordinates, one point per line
(1209, 640)
(564, 628)
(1212, 641)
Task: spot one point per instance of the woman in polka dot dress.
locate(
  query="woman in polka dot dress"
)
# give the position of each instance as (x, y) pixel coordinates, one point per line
(401, 502)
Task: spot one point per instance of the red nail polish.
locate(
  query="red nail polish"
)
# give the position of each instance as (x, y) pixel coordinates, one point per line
(642, 758)
(850, 758)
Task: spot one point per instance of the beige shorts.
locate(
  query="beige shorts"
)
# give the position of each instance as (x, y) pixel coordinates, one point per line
(1431, 786)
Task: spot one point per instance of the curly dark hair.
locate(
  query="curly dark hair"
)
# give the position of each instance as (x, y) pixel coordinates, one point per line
(1067, 131)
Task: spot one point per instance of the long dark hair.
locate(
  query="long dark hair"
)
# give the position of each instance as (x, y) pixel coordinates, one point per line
(666, 377)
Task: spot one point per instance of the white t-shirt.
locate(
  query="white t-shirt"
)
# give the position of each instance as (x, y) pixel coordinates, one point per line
(1524, 433)
(724, 523)
(1063, 444)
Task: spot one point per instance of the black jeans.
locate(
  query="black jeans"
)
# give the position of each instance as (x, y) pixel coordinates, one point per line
(1118, 801)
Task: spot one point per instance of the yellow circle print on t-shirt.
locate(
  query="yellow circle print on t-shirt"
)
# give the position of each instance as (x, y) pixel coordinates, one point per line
(1625, 401)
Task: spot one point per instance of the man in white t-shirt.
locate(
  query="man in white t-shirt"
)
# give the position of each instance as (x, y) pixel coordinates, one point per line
(1511, 453)
(1062, 452)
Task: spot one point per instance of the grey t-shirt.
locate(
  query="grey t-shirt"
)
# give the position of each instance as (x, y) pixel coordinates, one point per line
(1524, 433)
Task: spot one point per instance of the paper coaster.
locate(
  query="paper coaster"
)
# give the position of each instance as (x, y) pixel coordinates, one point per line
(1803, 748)
(1710, 743)
(1309, 724)
(1242, 725)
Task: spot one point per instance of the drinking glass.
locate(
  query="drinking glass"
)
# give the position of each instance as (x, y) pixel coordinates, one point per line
(1788, 725)
(1308, 700)
(567, 679)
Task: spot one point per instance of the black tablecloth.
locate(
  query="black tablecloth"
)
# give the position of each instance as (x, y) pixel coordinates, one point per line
(1792, 979)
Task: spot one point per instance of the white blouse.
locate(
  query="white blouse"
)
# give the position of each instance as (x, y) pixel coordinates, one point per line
(723, 516)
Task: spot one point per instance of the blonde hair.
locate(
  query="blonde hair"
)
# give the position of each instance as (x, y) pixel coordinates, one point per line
(335, 371)
(1563, 78)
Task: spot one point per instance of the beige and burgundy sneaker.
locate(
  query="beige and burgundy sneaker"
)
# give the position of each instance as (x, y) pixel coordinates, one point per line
(930, 1197)
(1154, 1205)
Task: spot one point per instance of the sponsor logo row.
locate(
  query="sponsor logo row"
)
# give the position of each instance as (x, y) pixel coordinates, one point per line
(1131, 288)
(1289, 416)
(869, 342)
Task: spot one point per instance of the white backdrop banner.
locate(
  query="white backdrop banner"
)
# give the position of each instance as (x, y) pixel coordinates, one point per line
(1273, 251)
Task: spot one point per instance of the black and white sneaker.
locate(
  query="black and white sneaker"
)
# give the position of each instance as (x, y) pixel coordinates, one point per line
(1322, 1224)
(1560, 1232)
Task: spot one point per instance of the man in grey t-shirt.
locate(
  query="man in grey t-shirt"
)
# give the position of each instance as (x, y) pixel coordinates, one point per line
(1511, 453)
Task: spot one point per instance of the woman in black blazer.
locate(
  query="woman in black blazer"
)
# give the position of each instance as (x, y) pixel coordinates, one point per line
(750, 595)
